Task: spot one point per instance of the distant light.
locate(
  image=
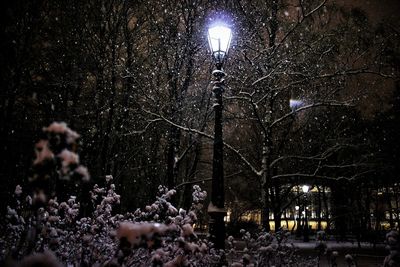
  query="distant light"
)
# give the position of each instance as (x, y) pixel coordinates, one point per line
(296, 207)
(295, 104)
(305, 188)
(219, 38)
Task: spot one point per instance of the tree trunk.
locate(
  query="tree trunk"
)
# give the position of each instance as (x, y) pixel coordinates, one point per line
(277, 219)
(367, 208)
(265, 181)
(172, 169)
(396, 194)
(277, 206)
(389, 203)
(265, 210)
(185, 200)
(109, 126)
(326, 206)
(319, 209)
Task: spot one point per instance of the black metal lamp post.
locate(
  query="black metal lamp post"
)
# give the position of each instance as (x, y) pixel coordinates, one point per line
(305, 189)
(219, 38)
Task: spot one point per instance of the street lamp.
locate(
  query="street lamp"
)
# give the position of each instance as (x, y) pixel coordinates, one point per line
(219, 38)
(305, 189)
(294, 104)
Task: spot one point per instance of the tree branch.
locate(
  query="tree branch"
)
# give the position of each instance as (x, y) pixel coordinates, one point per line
(192, 182)
(150, 122)
(325, 103)
(203, 134)
(306, 175)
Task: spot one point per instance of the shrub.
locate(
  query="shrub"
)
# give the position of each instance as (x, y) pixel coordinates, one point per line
(233, 228)
(46, 226)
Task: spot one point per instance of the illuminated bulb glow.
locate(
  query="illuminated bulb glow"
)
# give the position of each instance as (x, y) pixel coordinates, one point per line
(219, 38)
(295, 104)
(305, 188)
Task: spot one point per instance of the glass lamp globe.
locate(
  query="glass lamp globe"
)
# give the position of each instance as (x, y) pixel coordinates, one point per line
(219, 39)
(305, 188)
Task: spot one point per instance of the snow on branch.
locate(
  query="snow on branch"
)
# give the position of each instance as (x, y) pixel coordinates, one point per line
(313, 105)
(292, 176)
(178, 159)
(319, 157)
(299, 22)
(203, 134)
(314, 158)
(193, 182)
(331, 75)
(204, 180)
(149, 123)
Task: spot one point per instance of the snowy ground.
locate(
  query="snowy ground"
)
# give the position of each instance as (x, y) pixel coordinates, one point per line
(334, 245)
(366, 256)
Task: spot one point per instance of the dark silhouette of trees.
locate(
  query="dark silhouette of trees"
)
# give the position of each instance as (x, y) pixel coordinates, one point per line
(301, 106)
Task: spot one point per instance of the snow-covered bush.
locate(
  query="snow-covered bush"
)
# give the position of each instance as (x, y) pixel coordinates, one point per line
(46, 224)
(266, 249)
(158, 235)
(393, 245)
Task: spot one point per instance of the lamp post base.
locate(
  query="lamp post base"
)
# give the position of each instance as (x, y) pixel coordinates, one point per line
(216, 226)
(306, 232)
(298, 228)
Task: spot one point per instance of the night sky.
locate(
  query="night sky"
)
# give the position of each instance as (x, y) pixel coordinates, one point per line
(378, 10)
